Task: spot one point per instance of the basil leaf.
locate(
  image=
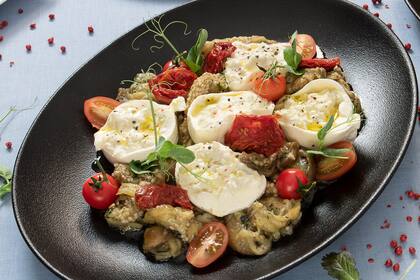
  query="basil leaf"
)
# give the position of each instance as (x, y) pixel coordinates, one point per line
(182, 155)
(194, 58)
(139, 168)
(292, 57)
(324, 130)
(340, 266)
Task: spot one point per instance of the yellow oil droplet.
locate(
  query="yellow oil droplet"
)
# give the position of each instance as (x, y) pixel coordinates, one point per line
(209, 101)
(146, 124)
(300, 98)
(313, 126)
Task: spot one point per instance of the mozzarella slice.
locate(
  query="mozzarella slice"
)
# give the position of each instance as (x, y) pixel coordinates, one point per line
(128, 133)
(222, 183)
(305, 112)
(210, 116)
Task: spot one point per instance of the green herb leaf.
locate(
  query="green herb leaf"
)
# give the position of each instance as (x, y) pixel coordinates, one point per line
(6, 177)
(324, 130)
(182, 155)
(292, 57)
(304, 189)
(340, 266)
(194, 58)
(330, 153)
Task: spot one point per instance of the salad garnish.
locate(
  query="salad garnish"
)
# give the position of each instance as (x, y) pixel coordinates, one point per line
(340, 266)
(292, 57)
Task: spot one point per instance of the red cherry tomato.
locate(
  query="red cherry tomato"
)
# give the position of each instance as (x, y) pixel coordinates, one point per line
(208, 245)
(271, 88)
(99, 193)
(97, 110)
(151, 196)
(213, 63)
(333, 168)
(260, 134)
(287, 183)
(172, 83)
(170, 64)
(305, 45)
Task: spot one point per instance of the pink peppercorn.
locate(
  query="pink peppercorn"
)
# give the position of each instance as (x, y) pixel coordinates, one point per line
(388, 263)
(376, 14)
(51, 40)
(369, 246)
(389, 25)
(90, 29)
(398, 251)
(51, 16)
(63, 49)
(407, 46)
(365, 6)
(370, 260)
(409, 219)
(32, 26)
(396, 267)
(403, 237)
(8, 145)
(412, 250)
(1, 38)
(393, 244)
(3, 24)
(28, 47)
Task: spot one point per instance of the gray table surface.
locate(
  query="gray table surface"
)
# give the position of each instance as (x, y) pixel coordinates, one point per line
(41, 72)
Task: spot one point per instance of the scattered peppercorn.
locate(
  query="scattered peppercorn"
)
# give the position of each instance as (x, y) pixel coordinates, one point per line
(370, 260)
(376, 14)
(51, 16)
(20, 11)
(389, 25)
(3, 24)
(401, 197)
(412, 250)
(90, 29)
(369, 246)
(376, 2)
(32, 26)
(389, 206)
(388, 263)
(409, 219)
(403, 237)
(407, 46)
(28, 47)
(393, 244)
(408, 26)
(8, 145)
(51, 40)
(63, 49)
(365, 6)
(398, 251)
(1, 38)
(396, 267)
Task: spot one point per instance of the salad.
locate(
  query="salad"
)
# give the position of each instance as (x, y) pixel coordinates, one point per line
(224, 147)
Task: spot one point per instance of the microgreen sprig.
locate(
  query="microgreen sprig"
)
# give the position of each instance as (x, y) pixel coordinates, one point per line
(292, 57)
(322, 150)
(193, 58)
(6, 186)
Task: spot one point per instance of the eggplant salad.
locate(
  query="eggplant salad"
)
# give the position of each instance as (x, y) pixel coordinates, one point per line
(222, 145)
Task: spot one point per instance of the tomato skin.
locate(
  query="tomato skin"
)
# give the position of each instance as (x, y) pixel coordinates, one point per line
(170, 84)
(103, 197)
(327, 63)
(260, 134)
(331, 168)
(97, 109)
(305, 45)
(215, 59)
(208, 245)
(170, 64)
(271, 89)
(287, 183)
(153, 195)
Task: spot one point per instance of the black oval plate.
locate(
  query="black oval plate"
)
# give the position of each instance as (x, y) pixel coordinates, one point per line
(56, 155)
(414, 6)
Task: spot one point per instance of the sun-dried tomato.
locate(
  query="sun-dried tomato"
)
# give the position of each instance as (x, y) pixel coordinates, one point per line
(152, 195)
(172, 83)
(327, 63)
(215, 59)
(260, 134)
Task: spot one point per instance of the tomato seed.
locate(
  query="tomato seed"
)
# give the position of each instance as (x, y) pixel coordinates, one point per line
(8, 145)
(388, 263)
(396, 267)
(408, 47)
(409, 219)
(403, 237)
(398, 251)
(51, 16)
(393, 244)
(20, 11)
(63, 49)
(28, 47)
(32, 26)
(412, 250)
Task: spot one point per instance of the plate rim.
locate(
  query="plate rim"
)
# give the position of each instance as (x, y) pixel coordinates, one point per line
(410, 6)
(356, 216)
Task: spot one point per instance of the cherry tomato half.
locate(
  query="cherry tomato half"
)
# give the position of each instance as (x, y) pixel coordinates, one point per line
(271, 89)
(170, 64)
(332, 168)
(305, 45)
(208, 245)
(99, 193)
(287, 183)
(97, 110)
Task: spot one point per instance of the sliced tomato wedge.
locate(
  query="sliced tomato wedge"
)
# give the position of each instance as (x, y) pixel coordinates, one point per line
(97, 110)
(208, 245)
(305, 45)
(332, 168)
